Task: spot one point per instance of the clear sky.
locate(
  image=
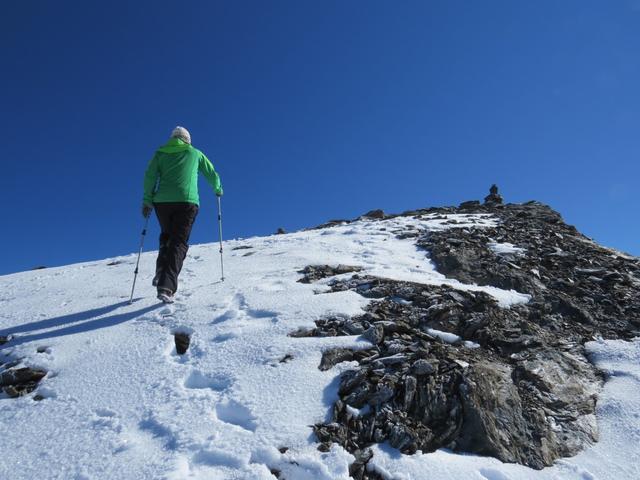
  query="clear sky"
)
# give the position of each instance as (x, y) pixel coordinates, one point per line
(312, 110)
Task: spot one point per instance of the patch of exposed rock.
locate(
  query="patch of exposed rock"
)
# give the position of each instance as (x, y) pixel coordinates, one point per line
(495, 385)
(16, 382)
(572, 280)
(451, 368)
(313, 273)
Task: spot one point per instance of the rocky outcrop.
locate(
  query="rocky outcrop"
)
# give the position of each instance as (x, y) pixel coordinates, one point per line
(313, 273)
(451, 368)
(16, 382)
(374, 215)
(570, 278)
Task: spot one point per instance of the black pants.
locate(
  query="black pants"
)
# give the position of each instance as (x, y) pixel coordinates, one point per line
(176, 220)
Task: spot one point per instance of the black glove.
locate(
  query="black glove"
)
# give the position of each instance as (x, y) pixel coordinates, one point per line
(146, 210)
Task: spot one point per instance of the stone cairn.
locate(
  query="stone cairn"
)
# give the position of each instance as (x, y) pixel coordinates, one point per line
(494, 198)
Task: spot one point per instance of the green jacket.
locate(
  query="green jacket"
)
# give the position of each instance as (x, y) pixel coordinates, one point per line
(172, 174)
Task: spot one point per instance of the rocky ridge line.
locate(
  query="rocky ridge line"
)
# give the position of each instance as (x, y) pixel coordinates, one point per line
(452, 369)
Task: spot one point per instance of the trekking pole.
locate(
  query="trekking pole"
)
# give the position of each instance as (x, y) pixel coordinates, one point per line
(220, 229)
(135, 274)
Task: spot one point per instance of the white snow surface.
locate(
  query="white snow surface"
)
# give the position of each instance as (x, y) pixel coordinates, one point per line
(120, 403)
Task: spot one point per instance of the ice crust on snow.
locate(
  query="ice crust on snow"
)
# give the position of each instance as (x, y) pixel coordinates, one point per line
(121, 404)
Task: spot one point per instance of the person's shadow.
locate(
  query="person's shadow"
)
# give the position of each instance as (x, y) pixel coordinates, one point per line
(81, 322)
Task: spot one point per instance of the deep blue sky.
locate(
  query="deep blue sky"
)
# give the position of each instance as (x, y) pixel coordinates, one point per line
(312, 110)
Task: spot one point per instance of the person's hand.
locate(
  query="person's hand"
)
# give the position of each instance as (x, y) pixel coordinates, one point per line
(219, 193)
(146, 210)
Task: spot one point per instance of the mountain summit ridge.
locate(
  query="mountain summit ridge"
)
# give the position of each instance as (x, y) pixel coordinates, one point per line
(527, 393)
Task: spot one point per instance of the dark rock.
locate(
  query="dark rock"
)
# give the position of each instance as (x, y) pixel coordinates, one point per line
(331, 223)
(382, 393)
(354, 327)
(15, 391)
(422, 367)
(275, 472)
(469, 205)
(406, 235)
(494, 418)
(3, 340)
(358, 469)
(286, 358)
(313, 273)
(302, 333)
(375, 333)
(401, 437)
(410, 387)
(334, 356)
(242, 247)
(280, 231)
(20, 381)
(21, 375)
(375, 214)
(182, 340)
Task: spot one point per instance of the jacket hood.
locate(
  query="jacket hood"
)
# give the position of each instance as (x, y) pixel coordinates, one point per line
(174, 145)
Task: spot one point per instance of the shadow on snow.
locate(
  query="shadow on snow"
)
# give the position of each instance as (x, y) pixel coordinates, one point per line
(82, 322)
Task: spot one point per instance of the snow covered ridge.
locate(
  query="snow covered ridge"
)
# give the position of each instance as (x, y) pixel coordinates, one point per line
(118, 401)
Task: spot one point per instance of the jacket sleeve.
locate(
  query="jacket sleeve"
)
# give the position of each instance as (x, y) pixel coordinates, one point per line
(206, 167)
(150, 181)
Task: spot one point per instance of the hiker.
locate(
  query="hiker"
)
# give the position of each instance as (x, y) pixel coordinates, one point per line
(171, 188)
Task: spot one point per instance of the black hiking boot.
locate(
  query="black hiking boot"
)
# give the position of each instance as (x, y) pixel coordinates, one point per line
(165, 295)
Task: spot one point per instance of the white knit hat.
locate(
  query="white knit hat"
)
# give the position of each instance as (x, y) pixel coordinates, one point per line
(181, 133)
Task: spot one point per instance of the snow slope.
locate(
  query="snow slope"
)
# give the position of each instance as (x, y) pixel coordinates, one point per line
(121, 404)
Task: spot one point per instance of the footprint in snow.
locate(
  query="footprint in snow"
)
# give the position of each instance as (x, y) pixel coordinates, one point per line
(238, 309)
(225, 337)
(214, 457)
(492, 474)
(234, 413)
(167, 311)
(106, 418)
(151, 425)
(199, 380)
(226, 316)
(276, 286)
(232, 309)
